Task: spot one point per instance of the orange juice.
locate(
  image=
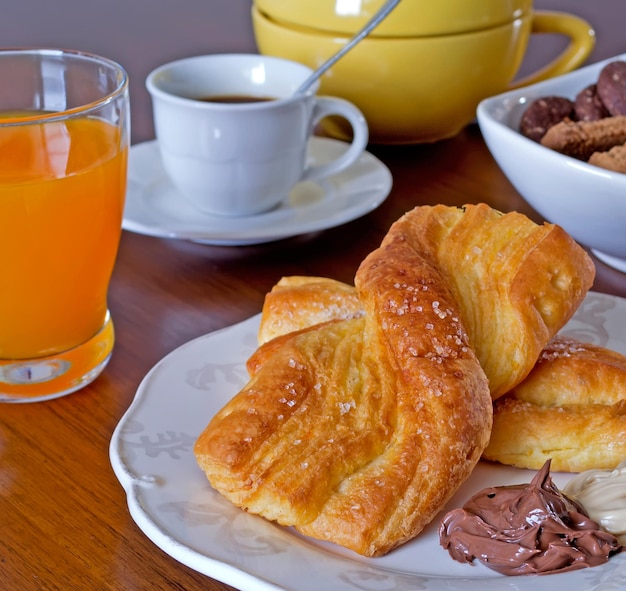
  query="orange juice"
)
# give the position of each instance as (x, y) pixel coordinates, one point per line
(62, 187)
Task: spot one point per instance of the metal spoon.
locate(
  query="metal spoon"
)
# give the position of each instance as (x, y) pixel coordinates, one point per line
(380, 15)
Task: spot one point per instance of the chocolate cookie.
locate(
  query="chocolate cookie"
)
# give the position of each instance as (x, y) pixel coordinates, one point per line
(543, 113)
(589, 106)
(612, 87)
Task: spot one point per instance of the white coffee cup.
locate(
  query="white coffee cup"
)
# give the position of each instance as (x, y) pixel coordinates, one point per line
(238, 159)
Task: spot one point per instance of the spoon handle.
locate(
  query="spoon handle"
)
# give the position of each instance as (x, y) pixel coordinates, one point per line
(380, 15)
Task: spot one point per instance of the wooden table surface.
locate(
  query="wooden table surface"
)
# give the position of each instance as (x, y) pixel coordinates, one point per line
(64, 522)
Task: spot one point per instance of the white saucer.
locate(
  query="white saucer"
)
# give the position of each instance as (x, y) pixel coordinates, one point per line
(155, 208)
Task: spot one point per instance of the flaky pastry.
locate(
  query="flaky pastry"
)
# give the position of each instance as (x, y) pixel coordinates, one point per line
(299, 302)
(570, 409)
(517, 283)
(367, 407)
(358, 431)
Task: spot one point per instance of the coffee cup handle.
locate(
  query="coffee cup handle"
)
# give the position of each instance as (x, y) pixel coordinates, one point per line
(325, 107)
(582, 41)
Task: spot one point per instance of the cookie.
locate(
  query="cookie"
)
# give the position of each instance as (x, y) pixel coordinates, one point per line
(612, 87)
(580, 139)
(588, 105)
(543, 113)
(613, 159)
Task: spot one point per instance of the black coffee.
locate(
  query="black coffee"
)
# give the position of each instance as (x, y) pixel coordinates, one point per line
(236, 99)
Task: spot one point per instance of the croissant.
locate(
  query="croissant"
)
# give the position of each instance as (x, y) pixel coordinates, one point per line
(299, 302)
(516, 283)
(570, 409)
(367, 408)
(358, 431)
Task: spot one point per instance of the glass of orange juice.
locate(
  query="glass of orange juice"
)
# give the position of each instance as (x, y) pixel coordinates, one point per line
(64, 138)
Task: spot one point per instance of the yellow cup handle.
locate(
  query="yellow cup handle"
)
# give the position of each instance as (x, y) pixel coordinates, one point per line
(582, 41)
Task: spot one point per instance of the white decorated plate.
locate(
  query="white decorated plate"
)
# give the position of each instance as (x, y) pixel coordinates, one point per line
(172, 502)
(154, 207)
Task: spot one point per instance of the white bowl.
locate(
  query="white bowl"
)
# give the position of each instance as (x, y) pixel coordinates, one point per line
(587, 201)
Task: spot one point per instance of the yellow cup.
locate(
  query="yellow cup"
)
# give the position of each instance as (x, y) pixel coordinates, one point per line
(64, 136)
(415, 87)
(411, 18)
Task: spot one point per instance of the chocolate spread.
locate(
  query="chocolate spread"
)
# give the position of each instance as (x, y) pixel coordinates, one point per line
(526, 529)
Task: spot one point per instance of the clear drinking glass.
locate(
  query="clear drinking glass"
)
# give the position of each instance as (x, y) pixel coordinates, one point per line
(64, 139)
